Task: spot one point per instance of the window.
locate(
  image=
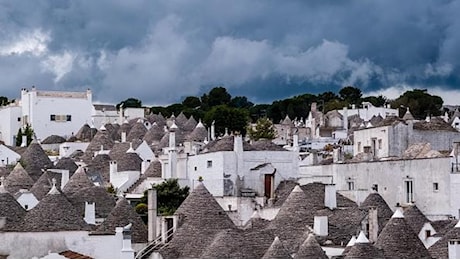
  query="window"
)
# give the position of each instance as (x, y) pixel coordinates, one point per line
(19, 119)
(375, 187)
(196, 168)
(427, 233)
(60, 118)
(209, 164)
(409, 185)
(69, 118)
(351, 185)
(435, 186)
(52, 117)
(380, 143)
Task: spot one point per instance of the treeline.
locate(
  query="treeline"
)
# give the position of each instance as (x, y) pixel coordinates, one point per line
(233, 113)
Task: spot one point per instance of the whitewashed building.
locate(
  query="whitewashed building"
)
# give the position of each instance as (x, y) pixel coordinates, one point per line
(10, 122)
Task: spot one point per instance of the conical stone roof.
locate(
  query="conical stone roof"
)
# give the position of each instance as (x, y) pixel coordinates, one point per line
(102, 139)
(53, 213)
(105, 202)
(121, 215)
(415, 218)
(398, 240)
(190, 125)
(137, 132)
(54, 139)
(44, 184)
(65, 163)
(276, 251)
(362, 249)
(384, 212)
(181, 120)
(198, 134)
(200, 218)
(154, 134)
(86, 133)
(310, 249)
(18, 179)
(78, 181)
(100, 164)
(34, 160)
(125, 127)
(292, 219)
(440, 249)
(10, 208)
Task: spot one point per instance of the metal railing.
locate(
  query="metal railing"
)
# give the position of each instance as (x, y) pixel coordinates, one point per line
(151, 246)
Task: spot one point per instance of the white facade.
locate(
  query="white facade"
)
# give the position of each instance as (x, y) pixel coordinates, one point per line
(103, 114)
(428, 182)
(8, 156)
(67, 148)
(55, 112)
(27, 199)
(10, 122)
(368, 111)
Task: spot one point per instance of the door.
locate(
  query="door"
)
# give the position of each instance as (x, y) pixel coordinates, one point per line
(268, 186)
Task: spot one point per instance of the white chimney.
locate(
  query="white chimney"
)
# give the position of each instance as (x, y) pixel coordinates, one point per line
(337, 155)
(454, 248)
(372, 219)
(64, 178)
(144, 165)
(123, 234)
(295, 142)
(113, 168)
(345, 118)
(213, 131)
(123, 137)
(353, 106)
(152, 214)
(330, 199)
(24, 141)
(320, 226)
(2, 222)
(90, 213)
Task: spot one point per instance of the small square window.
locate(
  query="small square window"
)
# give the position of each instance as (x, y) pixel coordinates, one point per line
(196, 168)
(209, 164)
(435, 186)
(380, 143)
(69, 118)
(19, 119)
(52, 117)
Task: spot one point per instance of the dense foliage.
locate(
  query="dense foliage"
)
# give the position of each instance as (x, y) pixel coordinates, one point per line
(263, 129)
(28, 132)
(169, 196)
(419, 102)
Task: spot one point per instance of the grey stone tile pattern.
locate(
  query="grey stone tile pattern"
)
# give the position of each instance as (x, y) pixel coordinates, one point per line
(137, 132)
(54, 139)
(105, 202)
(364, 251)
(102, 139)
(200, 218)
(44, 184)
(398, 240)
(78, 181)
(384, 212)
(10, 209)
(276, 251)
(310, 249)
(126, 161)
(199, 134)
(440, 248)
(34, 159)
(154, 134)
(100, 164)
(18, 179)
(121, 215)
(66, 163)
(415, 218)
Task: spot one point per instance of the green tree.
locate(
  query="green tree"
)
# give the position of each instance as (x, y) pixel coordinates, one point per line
(4, 101)
(377, 101)
(264, 129)
(191, 102)
(217, 96)
(28, 132)
(130, 102)
(234, 119)
(241, 102)
(351, 95)
(420, 103)
(169, 196)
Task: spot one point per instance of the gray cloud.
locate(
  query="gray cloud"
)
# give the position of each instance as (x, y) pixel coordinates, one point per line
(161, 51)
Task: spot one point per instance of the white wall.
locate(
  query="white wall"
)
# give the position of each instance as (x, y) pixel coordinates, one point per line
(364, 137)
(9, 123)
(369, 111)
(38, 106)
(27, 200)
(212, 176)
(38, 244)
(8, 156)
(67, 148)
(390, 177)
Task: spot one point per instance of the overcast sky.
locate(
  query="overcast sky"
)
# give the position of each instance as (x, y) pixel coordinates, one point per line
(162, 51)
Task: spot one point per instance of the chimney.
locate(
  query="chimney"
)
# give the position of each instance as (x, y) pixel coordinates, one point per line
(64, 178)
(124, 233)
(313, 107)
(24, 141)
(113, 168)
(353, 106)
(144, 165)
(123, 137)
(454, 249)
(213, 131)
(238, 144)
(172, 135)
(90, 213)
(314, 155)
(345, 118)
(295, 142)
(372, 219)
(337, 155)
(330, 199)
(152, 214)
(320, 226)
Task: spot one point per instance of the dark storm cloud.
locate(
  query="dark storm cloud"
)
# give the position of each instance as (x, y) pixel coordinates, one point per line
(161, 51)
